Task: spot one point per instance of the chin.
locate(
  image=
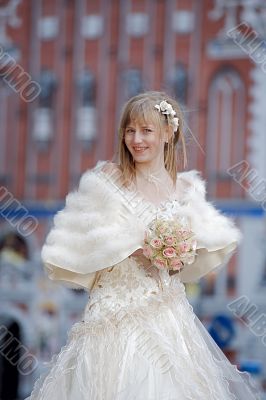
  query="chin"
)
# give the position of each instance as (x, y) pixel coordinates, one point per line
(142, 160)
(147, 156)
(139, 156)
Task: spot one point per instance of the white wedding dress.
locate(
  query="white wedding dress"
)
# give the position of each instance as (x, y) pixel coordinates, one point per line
(139, 339)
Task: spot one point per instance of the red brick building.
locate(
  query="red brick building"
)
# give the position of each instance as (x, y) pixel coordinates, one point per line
(88, 56)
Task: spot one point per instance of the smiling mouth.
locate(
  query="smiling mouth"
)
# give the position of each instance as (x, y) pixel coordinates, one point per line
(139, 149)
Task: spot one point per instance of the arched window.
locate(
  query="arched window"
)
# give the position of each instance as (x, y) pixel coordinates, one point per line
(225, 130)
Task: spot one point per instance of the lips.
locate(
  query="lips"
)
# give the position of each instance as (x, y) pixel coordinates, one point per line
(139, 149)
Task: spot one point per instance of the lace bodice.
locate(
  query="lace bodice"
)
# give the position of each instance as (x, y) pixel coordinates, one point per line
(129, 284)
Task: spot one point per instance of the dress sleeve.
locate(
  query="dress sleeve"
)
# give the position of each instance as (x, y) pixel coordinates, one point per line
(217, 235)
(93, 231)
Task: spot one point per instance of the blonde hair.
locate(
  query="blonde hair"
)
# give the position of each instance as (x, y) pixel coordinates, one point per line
(141, 107)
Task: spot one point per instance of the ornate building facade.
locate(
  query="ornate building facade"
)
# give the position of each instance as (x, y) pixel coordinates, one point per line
(66, 67)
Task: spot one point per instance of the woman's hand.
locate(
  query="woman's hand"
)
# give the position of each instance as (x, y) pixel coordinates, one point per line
(172, 272)
(138, 254)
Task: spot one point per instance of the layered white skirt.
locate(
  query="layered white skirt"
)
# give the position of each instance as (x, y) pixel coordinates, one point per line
(153, 350)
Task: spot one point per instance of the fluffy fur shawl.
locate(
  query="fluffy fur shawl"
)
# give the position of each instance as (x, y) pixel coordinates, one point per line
(97, 229)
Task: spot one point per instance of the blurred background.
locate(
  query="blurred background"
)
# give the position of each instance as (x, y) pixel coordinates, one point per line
(66, 68)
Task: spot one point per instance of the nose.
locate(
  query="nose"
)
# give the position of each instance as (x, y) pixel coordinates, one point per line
(137, 138)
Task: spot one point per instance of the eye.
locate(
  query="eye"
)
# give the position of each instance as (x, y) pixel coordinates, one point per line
(147, 130)
(129, 131)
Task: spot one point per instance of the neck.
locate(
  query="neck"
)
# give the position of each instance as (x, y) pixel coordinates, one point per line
(156, 168)
(155, 174)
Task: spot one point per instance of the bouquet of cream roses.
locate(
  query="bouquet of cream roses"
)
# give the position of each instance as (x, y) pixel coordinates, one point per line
(169, 244)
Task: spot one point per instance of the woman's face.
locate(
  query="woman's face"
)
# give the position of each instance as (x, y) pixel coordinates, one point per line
(143, 141)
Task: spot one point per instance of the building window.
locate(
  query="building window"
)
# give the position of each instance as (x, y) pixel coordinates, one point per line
(48, 28)
(43, 117)
(86, 120)
(133, 82)
(183, 22)
(137, 24)
(179, 82)
(92, 26)
(225, 128)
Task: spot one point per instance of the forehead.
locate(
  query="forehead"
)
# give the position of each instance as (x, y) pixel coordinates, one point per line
(141, 122)
(147, 119)
(142, 113)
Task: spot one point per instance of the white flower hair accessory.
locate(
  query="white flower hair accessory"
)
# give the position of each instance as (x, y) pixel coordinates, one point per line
(166, 108)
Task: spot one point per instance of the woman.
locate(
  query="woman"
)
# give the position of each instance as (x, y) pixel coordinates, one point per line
(139, 338)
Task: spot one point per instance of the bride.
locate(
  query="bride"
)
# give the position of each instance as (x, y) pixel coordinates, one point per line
(139, 337)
